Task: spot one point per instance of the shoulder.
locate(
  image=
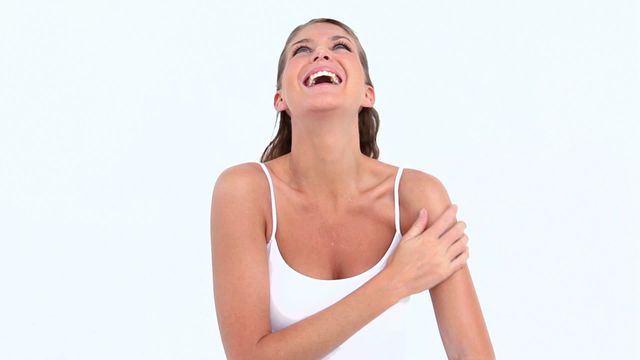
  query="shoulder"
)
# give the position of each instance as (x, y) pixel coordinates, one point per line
(421, 185)
(240, 179)
(242, 189)
(419, 189)
(246, 181)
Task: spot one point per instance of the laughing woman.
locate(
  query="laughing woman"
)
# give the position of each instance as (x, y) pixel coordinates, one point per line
(356, 237)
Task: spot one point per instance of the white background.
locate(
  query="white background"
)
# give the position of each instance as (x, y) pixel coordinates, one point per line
(116, 118)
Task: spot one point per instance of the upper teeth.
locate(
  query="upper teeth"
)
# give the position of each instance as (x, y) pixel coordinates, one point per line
(314, 76)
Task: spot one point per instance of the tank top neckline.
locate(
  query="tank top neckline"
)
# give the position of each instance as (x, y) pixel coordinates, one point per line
(272, 240)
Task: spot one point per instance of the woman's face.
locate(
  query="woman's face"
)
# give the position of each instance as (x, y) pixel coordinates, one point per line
(323, 47)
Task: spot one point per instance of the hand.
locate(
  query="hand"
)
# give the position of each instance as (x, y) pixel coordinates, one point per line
(422, 258)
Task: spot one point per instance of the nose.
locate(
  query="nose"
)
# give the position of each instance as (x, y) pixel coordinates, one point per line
(321, 53)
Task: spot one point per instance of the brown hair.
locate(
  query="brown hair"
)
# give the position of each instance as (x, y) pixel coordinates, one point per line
(368, 119)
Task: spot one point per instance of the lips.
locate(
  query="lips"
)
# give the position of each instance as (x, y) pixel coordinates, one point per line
(316, 69)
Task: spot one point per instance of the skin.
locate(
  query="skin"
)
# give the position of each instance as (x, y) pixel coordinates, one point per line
(341, 203)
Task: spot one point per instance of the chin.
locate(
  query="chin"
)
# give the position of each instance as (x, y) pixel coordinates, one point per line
(327, 104)
(324, 110)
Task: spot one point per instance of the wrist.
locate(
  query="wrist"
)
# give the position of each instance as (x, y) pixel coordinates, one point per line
(390, 288)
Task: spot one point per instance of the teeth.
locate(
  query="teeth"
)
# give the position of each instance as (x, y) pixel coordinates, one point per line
(314, 76)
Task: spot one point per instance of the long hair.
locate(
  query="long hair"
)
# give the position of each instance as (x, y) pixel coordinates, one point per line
(368, 118)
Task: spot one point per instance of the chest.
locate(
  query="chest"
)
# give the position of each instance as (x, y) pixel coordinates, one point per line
(334, 246)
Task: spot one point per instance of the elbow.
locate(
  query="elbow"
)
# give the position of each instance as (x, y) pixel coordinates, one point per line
(245, 353)
(256, 352)
(252, 350)
(252, 354)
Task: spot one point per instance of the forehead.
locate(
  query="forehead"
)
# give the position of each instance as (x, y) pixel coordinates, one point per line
(320, 31)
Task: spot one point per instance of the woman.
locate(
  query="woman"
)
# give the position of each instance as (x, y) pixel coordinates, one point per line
(353, 244)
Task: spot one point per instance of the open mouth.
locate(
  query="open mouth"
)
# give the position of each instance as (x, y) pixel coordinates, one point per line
(322, 77)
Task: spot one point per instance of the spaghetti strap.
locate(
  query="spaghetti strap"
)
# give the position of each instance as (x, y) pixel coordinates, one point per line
(274, 214)
(396, 199)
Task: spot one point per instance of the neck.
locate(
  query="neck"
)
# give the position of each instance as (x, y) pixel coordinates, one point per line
(325, 162)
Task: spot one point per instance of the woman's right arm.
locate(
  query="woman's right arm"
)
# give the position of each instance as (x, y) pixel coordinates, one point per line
(241, 282)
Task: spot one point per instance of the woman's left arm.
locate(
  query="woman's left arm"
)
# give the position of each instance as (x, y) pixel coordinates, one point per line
(460, 322)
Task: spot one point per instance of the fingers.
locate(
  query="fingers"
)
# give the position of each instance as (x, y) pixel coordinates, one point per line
(418, 226)
(453, 234)
(460, 246)
(459, 262)
(444, 222)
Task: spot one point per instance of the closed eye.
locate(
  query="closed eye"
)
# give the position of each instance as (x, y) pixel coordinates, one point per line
(344, 45)
(337, 45)
(300, 47)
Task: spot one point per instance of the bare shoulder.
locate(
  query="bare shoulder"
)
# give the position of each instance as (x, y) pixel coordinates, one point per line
(240, 180)
(419, 189)
(245, 189)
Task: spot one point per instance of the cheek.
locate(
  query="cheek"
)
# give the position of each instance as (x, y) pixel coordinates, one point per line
(290, 78)
(357, 79)
(292, 68)
(358, 72)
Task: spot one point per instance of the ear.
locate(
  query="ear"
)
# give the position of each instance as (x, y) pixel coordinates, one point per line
(369, 97)
(278, 102)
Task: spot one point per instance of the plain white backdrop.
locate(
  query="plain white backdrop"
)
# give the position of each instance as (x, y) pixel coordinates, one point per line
(116, 118)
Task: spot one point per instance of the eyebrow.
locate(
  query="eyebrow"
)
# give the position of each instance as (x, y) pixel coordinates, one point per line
(333, 38)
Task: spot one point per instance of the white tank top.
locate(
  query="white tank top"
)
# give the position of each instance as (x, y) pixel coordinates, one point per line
(295, 296)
